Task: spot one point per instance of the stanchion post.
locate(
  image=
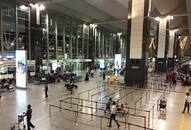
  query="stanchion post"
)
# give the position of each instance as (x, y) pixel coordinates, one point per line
(128, 110)
(96, 106)
(158, 105)
(78, 97)
(135, 108)
(132, 96)
(153, 115)
(146, 96)
(149, 94)
(75, 118)
(49, 110)
(129, 127)
(149, 118)
(88, 94)
(91, 99)
(81, 104)
(91, 113)
(77, 109)
(141, 102)
(125, 121)
(145, 123)
(100, 123)
(71, 102)
(126, 101)
(60, 105)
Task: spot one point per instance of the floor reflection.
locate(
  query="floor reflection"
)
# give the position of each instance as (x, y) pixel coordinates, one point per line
(21, 100)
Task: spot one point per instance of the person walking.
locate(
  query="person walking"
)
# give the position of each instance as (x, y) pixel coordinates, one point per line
(113, 114)
(29, 116)
(187, 103)
(46, 90)
(108, 105)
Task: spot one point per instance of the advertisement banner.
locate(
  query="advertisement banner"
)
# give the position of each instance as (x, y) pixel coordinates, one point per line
(117, 61)
(21, 69)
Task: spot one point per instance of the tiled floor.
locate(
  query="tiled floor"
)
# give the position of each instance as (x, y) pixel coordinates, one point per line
(15, 103)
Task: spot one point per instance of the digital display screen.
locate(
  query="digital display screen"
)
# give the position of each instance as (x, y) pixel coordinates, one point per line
(21, 69)
(117, 61)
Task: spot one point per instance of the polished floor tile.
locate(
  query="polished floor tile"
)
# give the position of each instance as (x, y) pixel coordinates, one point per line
(15, 103)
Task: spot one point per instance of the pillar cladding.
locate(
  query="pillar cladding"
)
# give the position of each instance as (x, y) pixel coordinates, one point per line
(161, 60)
(170, 54)
(138, 28)
(36, 39)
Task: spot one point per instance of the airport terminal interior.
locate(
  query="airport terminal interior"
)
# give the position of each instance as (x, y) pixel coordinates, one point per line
(95, 64)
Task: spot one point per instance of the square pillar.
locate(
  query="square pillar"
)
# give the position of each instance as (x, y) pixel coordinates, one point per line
(138, 30)
(163, 41)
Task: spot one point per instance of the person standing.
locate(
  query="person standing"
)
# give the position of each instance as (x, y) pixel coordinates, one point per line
(103, 76)
(187, 103)
(113, 115)
(29, 116)
(46, 90)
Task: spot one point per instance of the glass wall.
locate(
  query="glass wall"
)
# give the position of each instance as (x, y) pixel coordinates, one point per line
(64, 38)
(7, 29)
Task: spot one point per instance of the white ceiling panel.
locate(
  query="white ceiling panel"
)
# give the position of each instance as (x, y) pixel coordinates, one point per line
(111, 7)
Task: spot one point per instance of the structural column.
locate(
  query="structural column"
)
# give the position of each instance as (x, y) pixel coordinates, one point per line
(170, 54)
(1, 29)
(138, 28)
(163, 40)
(47, 42)
(36, 38)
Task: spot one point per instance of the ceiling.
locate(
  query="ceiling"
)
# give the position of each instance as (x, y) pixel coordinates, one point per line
(112, 13)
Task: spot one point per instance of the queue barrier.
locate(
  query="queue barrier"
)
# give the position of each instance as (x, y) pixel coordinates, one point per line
(129, 109)
(89, 90)
(127, 124)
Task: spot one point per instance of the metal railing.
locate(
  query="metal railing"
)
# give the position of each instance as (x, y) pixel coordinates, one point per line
(127, 124)
(105, 90)
(88, 91)
(129, 109)
(140, 99)
(77, 106)
(111, 94)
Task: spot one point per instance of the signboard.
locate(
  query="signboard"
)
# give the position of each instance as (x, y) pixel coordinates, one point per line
(117, 61)
(102, 64)
(55, 65)
(21, 68)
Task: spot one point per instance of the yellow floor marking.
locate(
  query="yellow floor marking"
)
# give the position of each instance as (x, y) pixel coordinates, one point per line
(181, 122)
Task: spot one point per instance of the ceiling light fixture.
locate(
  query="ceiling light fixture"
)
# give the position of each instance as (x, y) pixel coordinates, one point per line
(23, 7)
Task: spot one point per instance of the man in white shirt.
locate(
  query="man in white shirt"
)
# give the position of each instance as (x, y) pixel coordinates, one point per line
(113, 114)
(187, 102)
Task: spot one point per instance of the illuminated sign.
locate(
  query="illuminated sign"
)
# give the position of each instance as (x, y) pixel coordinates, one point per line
(117, 61)
(102, 64)
(21, 68)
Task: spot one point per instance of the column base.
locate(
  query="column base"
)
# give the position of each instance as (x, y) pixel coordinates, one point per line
(170, 63)
(160, 65)
(135, 73)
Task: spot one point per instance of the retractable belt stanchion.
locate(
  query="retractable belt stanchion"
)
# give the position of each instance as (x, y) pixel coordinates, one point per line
(91, 113)
(100, 123)
(81, 104)
(49, 110)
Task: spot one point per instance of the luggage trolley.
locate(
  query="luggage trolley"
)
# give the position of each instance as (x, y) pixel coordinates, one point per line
(20, 123)
(162, 106)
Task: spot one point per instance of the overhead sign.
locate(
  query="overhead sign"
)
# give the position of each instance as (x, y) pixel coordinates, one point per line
(21, 68)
